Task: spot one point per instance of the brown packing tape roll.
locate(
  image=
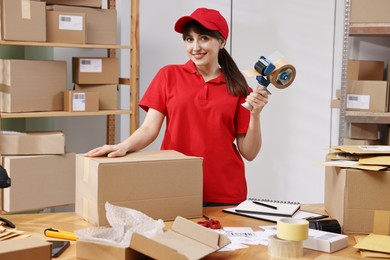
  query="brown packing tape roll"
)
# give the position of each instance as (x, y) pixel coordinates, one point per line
(281, 66)
(284, 248)
(26, 9)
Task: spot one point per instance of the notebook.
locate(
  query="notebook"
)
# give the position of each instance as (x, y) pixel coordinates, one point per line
(268, 207)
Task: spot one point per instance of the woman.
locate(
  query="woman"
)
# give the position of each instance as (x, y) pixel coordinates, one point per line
(201, 101)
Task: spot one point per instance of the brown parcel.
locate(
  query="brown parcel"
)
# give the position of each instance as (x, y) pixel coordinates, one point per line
(108, 95)
(185, 240)
(101, 23)
(373, 11)
(78, 101)
(32, 143)
(364, 131)
(32, 247)
(87, 3)
(23, 20)
(66, 27)
(24, 82)
(160, 184)
(39, 181)
(365, 70)
(352, 196)
(95, 70)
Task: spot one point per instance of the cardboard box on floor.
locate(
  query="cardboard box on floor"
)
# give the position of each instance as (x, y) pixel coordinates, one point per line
(32, 143)
(78, 101)
(86, 3)
(352, 196)
(160, 184)
(185, 240)
(66, 27)
(31, 247)
(23, 20)
(39, 181)
(95, 70)
(108, 94)
(367, 95)
(32, 85)
(101, 23)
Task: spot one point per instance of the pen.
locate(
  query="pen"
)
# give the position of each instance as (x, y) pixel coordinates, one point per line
(56, 233)
(265, 205)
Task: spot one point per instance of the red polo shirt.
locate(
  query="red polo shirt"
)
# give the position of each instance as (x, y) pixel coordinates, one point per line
(202, 119)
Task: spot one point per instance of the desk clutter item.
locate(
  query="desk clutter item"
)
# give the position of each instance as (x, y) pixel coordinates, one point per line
(268, 207)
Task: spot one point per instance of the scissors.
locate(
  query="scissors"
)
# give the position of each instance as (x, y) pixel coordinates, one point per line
(210, 223)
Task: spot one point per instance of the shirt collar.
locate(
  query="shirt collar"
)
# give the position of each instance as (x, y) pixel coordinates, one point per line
(191, 68)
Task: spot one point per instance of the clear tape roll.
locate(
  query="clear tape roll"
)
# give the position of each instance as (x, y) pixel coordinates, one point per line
(284, 248)
(292, 229)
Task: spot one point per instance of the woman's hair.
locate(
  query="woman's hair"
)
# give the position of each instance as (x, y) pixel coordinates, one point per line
(235, 81)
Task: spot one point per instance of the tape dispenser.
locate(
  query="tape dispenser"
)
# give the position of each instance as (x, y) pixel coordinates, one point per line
(273, 70)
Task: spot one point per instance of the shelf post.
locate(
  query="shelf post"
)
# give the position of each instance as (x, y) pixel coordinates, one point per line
(134, 65)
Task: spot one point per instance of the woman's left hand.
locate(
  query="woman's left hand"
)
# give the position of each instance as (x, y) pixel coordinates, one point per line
(257, 99)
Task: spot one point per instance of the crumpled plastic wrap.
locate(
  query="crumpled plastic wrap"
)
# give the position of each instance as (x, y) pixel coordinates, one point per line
(124, 222)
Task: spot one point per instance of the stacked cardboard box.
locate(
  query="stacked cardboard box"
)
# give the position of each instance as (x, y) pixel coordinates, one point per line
(42, 174)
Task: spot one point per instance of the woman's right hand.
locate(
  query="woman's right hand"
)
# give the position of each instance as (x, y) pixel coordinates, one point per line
(115, 150)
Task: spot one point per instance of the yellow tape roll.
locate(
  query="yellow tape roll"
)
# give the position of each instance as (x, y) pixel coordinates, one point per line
(284, 248)
(292, 229)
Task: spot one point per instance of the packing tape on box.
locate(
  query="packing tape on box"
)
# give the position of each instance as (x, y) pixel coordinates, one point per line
(292, 229)
(26, 9)
(288, 241)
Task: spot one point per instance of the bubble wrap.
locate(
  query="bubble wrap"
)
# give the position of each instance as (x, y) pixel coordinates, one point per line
(124, 222)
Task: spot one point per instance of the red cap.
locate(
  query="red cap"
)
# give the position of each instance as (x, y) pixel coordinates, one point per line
(209, 18)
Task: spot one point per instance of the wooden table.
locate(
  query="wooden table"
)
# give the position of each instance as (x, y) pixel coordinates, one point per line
(69, 221)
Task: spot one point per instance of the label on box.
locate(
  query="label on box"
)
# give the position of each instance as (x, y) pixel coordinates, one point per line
(91, 65)
(358, 101)
(70, 22)
(78, 102)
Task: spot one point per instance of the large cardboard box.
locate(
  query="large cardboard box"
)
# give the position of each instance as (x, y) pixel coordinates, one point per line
(95, 70)
(365, 70)
(367, 95)
(32, 143)
(86, 3)
(39, 181)
(32, 85)
(373, 11)
(352, 196)
(108, 95)
(23, 20)
(101, 23)
(160, 184)
(78, 101)
(32, 247)
(185, 240)
(66, 27)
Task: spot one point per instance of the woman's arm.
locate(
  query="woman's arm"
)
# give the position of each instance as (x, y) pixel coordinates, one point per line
(141, 138)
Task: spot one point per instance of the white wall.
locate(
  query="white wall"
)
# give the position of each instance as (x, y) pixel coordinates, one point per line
(297, 122)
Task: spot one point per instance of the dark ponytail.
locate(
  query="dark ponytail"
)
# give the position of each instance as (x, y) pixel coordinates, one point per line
(235, 81)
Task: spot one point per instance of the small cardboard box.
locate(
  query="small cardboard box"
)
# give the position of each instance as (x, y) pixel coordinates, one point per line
(31, 247)
(108, 95)
(101, 23)
(373, 11)
(367, 95)
(365, 70)
(79, 101)
(23, 20)
(325, 241)
(39, 181)
(349, 141)
(352, 196)
(160, 184)
(32, 143)
(66, 27)
(86, 3)
(95, 70)
(185, 240)
(32, 85)
(364, 131)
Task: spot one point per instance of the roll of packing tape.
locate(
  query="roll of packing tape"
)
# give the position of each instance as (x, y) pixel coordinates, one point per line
(283, 75)
(292, 229)
(284, 248)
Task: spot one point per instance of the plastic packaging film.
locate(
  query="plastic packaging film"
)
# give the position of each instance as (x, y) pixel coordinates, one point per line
(288, 241)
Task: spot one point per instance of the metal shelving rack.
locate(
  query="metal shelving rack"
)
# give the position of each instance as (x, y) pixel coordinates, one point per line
(133, 81)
